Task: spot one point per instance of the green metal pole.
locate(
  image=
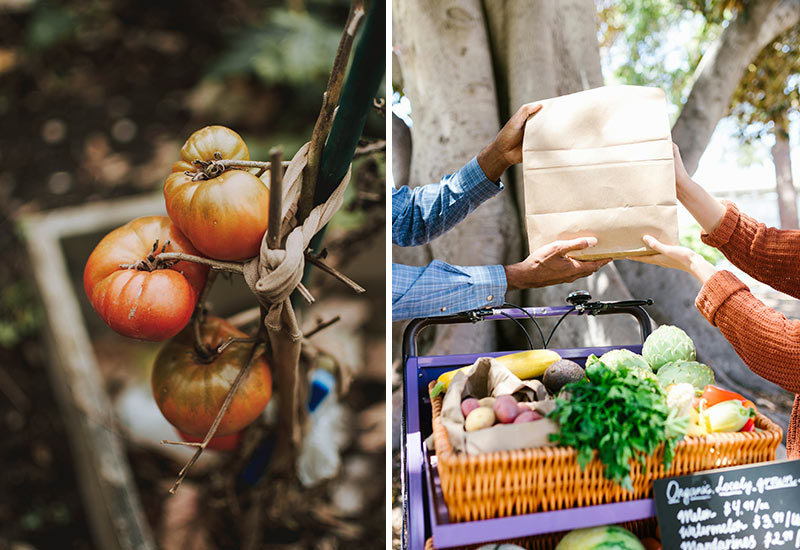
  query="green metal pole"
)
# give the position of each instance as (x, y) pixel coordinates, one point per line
(360, 88)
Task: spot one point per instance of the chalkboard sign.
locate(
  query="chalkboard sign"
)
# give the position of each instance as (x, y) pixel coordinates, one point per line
(732, 508)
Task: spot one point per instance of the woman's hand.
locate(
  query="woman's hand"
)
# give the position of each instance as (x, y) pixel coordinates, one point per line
(677, 257)
(506, 148)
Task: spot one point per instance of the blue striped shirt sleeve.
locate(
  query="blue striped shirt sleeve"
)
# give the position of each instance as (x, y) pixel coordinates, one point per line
(443, 289)
(421, 214)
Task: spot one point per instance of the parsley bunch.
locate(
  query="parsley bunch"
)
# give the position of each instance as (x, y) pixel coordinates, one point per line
(619, 415)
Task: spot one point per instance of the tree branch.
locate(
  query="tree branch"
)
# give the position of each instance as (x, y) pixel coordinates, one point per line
(721, 69)
(330, 99)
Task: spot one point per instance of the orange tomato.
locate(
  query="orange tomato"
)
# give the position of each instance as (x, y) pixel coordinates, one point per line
(190, 389)
(148, 305)
(225, 217)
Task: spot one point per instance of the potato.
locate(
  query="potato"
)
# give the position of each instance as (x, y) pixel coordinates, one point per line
(487, 402)
(523, 407)
(505, 408)
(469, 405)
(480, 418)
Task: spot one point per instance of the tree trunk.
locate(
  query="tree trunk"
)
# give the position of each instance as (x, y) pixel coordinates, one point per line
(721, 69)
(541, 50)
(787, 196)
(443, 50)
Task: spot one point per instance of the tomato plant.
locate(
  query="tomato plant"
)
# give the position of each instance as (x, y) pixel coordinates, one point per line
(224, 216)
(151, 301)
(190, 386)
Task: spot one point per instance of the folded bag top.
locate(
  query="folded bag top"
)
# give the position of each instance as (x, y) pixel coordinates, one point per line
(599, 163)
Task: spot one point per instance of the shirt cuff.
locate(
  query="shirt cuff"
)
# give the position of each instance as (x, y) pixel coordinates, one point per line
(475, 181)
(489, 285)
(716, 290)
(722, 234)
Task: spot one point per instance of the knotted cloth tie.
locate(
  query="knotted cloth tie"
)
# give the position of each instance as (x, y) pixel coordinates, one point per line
(274, 274)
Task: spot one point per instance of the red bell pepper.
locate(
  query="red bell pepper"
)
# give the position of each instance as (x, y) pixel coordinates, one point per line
(749, 426)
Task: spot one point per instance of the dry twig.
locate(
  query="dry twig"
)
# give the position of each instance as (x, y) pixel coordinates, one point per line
(379, 145)
(321, 325)
(315, 259)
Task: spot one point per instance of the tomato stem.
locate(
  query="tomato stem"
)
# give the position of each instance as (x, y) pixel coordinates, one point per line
(199, 318)
(169, 259)
(206, 170)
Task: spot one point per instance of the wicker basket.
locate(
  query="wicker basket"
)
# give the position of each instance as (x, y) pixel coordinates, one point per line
(548, 541)
(526, 481)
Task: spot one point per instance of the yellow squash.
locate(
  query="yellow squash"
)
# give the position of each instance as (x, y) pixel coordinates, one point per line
(524, 365)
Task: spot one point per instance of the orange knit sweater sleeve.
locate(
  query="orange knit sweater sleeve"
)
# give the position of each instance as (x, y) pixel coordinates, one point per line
(766, 341)
(765, 253)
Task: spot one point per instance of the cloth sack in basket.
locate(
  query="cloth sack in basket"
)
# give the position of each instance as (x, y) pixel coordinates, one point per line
(599, 163)
(488, 378)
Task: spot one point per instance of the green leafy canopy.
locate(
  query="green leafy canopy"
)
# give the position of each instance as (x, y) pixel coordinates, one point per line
(288, 47)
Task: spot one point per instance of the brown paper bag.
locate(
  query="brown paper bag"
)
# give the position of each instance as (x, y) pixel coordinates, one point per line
(599, 163)
(488, 378)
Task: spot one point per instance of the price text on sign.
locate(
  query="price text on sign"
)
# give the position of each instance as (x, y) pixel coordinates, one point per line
(731, 509)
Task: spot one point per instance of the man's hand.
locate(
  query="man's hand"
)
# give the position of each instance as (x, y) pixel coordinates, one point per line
(550, 265)
(677, 257)
(506, 149)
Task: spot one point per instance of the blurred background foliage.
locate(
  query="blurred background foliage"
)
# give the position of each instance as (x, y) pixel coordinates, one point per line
(661, 43)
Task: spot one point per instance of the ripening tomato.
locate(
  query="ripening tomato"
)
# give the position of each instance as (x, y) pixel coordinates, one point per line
(225, 216)
(145, 303)
(190, 389)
